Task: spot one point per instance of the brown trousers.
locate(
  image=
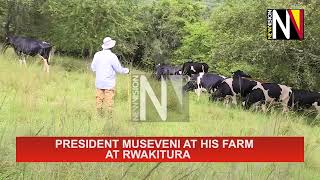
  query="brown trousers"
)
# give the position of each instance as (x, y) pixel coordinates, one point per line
(104, 96)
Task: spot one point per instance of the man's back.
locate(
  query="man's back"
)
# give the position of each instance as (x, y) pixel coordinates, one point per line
(106, 65)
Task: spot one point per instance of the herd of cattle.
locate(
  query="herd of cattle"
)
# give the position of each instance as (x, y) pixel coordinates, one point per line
(241, 84)
(251, 92)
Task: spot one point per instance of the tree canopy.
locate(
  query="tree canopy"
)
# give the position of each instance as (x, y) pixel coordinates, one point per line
(226, 34)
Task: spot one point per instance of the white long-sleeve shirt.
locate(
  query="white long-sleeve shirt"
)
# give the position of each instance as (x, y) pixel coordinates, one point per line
(106, 64)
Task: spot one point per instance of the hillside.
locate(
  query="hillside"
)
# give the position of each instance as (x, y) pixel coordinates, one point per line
(62, 103)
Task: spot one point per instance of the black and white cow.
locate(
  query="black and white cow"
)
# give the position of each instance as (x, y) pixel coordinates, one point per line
(301, 99)
(24, 46)
(231, 87)
(190, 68)
(203, 82)
(269, 93)
(166, 70)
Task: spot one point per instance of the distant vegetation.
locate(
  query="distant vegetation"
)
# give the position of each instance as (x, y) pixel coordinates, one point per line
(228, 35)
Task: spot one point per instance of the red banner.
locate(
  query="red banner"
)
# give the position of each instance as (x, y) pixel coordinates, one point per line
(160, 149)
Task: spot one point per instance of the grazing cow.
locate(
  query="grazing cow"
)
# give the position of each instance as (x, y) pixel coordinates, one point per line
(203, 82)
(269, 93)
(165, 71)
(26, 46)
(190, 68)
(301, 99)
(231, 87)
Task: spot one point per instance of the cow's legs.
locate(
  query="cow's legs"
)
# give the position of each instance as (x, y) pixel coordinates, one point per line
(20, 61)
(19, 56)
(234, 100)
(284, 103)
(24, 60)
(46, 65)
(226, 101)
(256, 106)
(198, 92)
(43, 67)
(285, 107)
(264, 107)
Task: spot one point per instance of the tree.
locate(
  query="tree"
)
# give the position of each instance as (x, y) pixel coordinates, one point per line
(163, 24)
(22, 17)
(235, 38)
(78, 25)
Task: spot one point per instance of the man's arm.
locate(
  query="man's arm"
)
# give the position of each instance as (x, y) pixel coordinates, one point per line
(117, 66)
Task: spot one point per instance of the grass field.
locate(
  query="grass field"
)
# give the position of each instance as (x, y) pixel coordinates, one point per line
(62, 103)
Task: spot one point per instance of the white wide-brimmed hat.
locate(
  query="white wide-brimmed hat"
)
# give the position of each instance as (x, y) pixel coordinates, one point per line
(108, 43)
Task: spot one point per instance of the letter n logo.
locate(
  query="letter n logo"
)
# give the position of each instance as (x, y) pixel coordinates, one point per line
(285, 24)
(158, 101)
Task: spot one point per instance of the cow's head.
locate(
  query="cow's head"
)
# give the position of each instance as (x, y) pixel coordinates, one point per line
(158, 73)
(158, 65)
(9, 39)
(240, 73)
(157, 70)
(179, 72)
(7, 43)
(191, 85)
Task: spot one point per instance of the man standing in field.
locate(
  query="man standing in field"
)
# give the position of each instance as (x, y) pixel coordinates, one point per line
(106, 64)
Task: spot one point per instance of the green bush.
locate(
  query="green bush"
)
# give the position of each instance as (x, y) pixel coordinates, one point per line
(226, 34)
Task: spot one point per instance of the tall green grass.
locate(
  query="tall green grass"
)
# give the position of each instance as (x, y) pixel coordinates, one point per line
(62, 103)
